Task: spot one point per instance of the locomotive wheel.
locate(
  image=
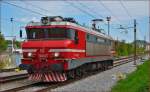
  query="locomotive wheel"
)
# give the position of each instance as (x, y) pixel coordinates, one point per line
(103, 66)
(88, 67)
(106, 65)
(71, 74)
(94, 66)
(84, 71)
(99, 66)
(110, 65)
(79, 72)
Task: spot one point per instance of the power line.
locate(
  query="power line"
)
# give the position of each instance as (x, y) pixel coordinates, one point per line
(140, 32)
(0, 17)
(109, 10)
(119, 21)
(90, 9)
(35, 6)
(69, 2)
(73, 5)
(121, 2)
(24, 8)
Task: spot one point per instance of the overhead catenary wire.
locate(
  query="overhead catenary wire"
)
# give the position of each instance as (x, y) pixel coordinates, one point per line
(126, 10)
(119, 21)
(0, 18)
(82, 10)
(109, 11)
(72, 4)
(91, 10)
(141, 35)
(35, 12)
(27, 3)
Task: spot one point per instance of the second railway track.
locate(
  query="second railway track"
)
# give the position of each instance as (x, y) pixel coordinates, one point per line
(13, 78)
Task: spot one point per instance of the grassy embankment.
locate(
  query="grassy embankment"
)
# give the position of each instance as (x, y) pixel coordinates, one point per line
(138, 81)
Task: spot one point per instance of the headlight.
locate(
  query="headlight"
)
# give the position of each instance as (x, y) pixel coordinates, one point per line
(56, 54)
(29, 54)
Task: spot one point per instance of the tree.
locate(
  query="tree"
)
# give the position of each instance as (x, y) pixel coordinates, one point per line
(18, 44)
(3, 43)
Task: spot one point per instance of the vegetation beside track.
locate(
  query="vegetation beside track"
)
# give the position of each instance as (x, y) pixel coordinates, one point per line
(126, 49)
(3, 43)
(138, 81)
(5, 53)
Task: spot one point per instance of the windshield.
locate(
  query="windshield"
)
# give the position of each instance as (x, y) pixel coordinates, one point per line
(50, 33)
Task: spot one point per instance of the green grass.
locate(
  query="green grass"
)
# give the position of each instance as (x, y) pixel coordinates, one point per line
(138, 81)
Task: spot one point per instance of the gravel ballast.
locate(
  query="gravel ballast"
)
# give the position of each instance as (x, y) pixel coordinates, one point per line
(101, 82)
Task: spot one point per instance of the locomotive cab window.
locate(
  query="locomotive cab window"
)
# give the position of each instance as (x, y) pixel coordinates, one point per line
(50, 33)
(76, 37)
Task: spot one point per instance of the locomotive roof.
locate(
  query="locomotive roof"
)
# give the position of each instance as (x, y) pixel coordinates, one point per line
(83, 28)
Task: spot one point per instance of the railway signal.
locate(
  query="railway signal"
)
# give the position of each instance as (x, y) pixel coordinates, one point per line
(149, 30)
(135, 41)
(11, 20)
(108, 20)
(20, 33)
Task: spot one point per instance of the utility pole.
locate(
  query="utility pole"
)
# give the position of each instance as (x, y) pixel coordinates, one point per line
(11, 20)
(135, 54)
(145, 42)
(108, 20)
(134, 41)
(149, 33)
(0, 17)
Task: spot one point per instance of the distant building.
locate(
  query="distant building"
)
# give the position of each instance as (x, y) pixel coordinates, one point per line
(147, 47)
(9, 46)
(141, 43)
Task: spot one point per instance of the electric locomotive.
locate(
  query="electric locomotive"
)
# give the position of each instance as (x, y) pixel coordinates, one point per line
(59, 48)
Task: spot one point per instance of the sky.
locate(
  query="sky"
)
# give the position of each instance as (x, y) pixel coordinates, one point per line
(122, 12)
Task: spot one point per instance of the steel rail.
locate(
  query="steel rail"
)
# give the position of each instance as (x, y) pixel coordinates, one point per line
(13, 78)
(119, 62)
(56, 85)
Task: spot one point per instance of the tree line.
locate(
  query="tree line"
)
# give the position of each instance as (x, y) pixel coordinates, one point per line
(4, 43)
(126, 49)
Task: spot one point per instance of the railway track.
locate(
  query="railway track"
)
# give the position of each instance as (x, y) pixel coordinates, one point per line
(44, 87)
(122, 61)
(15, 89)
(7, 70)
(116, 63)
(13, 78)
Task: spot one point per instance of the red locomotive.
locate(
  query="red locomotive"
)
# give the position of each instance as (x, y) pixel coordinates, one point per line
(59, 48)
